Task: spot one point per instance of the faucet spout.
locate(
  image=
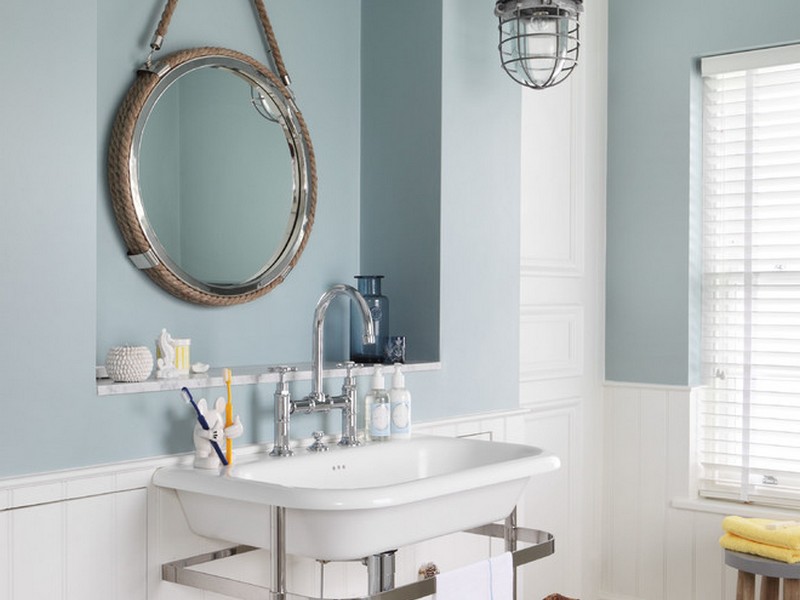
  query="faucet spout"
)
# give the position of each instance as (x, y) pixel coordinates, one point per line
(317, 395)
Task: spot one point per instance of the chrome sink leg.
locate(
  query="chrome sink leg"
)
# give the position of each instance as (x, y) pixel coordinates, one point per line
(510, 537)
(278, 552)
(510, 531)
(322, 564)
(380, 572)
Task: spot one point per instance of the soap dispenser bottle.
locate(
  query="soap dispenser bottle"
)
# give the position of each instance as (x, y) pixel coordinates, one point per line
(378, 415)
(400, 400)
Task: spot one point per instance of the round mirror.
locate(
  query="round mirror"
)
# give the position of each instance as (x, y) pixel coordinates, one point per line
(212, 178)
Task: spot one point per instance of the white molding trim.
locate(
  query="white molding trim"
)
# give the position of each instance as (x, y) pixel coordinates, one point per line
(720, 507)
(58, 486)
(533, 267)
(570, 364)
(572, 265)
(473, 417)
(552, 405)
(750, 59)
(611, 596)
(649, 386)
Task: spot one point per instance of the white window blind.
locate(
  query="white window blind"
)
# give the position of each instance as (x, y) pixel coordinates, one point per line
(749, 419)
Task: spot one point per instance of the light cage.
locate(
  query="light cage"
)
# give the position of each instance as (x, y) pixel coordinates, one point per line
(539, 40)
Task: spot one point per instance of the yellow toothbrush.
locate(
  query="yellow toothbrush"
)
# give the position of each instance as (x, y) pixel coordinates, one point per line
(226, 374)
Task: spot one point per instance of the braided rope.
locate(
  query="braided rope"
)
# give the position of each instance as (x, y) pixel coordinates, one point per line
(269, 33)
(120, 178)
(166, 17)
(272, 41)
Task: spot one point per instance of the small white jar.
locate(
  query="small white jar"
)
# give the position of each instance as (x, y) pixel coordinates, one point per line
(129, 363)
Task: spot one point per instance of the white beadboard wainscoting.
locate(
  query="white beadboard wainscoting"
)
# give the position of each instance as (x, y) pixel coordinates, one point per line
(102, 533)
(554, 501)
(658, 542)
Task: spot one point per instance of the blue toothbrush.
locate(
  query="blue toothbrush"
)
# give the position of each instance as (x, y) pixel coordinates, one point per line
(187, 397)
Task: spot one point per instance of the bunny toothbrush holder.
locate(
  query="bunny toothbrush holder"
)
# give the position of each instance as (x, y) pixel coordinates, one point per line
(205, 455)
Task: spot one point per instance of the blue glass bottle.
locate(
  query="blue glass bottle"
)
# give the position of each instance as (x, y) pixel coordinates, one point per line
(370, 288)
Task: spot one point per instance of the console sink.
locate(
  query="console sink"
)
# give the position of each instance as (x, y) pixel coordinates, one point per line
(349, 503)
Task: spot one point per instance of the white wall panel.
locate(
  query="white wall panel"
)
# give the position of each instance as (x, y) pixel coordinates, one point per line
(652, 465)
(551, 342)
(130, 545)
(552, 504)
(562, 222)
(638, 465)
(709, 563)
(678, 540)
(90, 548)
(657, 547)
(622, 443)
(5, 556)
(83, 549)
(37, 547)
(551, 219)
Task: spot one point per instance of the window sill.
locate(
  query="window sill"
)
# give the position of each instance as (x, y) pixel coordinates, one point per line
(723, 507)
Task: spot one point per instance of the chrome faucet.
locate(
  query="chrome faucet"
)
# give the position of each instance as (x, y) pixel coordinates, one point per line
(317, 395)
(317, 400)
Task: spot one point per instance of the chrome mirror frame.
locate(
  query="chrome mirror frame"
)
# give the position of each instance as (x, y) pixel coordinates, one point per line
(144, 248)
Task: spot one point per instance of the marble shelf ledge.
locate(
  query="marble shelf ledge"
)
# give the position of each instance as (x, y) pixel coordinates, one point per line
(244, 376)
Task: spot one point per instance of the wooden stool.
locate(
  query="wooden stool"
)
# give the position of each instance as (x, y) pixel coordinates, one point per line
(771, 572)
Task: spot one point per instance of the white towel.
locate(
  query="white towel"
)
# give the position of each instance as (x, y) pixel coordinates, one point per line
(491, 579)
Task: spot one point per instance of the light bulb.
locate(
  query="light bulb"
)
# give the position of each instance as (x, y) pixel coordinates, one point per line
(540, 52)
(542, 40)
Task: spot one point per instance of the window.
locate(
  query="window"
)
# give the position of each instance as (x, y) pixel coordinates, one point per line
(749, 418)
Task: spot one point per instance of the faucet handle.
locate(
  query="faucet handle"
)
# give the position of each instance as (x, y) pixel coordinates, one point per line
(349, 365)
(318, 445)
(282, 370)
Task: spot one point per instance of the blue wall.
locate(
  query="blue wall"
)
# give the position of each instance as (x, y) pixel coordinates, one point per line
(48, 184)
(401, 123)
(481, 113)
(69, 293)
(652, 286)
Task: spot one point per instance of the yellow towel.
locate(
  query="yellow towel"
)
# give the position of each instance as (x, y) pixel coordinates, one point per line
(738, 544)
(784, 534)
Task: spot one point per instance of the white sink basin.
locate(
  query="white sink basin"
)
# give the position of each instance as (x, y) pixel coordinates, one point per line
(349, 503)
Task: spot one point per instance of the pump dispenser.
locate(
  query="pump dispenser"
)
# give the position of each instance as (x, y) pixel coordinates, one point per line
(400, 400)
(378, 415)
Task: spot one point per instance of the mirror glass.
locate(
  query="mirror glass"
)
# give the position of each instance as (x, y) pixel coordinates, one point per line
(215, 176)
(212, 176)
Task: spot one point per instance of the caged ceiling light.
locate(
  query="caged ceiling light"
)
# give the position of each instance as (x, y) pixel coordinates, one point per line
(539, 40)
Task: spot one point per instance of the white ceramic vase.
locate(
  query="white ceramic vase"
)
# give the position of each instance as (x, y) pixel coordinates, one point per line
(129, 363)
